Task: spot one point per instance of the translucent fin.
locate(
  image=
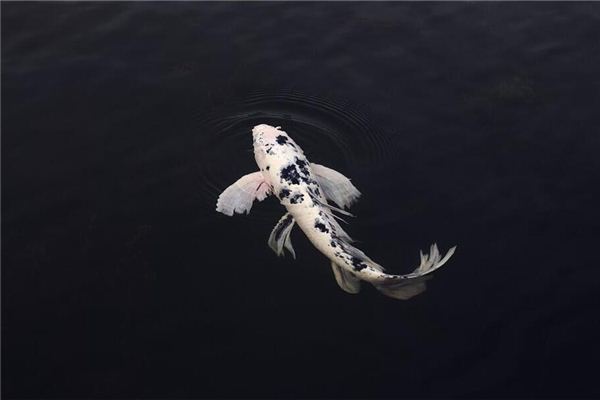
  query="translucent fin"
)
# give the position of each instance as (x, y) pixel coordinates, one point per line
(280, 235)
(339, 231)
(359, 254)
(345, 279)
(336, 187)
(430, 262)
(332, 208)
(405, 291)
(409, 285)
(238, 197)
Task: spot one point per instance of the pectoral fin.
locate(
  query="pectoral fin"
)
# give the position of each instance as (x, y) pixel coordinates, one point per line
(280, 235)
(238, 197)
(336, 187)
(348, 282)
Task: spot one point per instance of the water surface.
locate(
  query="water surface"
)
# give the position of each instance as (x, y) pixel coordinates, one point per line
(469, 123)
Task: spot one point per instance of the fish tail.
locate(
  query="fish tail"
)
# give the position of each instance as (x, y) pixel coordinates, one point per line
(353, 264)
(404, 287)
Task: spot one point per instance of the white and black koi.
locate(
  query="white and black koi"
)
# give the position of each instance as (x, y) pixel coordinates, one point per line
(305, 190)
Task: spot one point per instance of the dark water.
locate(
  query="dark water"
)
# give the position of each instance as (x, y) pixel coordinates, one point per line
(469, 123)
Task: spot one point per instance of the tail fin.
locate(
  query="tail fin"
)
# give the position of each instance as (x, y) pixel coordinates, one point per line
(432, 261)
(412, 284)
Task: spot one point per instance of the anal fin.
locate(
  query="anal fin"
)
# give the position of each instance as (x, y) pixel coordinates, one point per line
(348, 282)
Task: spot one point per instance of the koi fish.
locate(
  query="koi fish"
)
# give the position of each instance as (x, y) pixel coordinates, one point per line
(306, 189)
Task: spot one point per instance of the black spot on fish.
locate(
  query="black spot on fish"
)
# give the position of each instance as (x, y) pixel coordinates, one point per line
(321, 226)
(270, 150)
(268, 167)
(284, 193)
(317, 192)
(303, 165)
(290, 174)
(297, 198)
(358, 264)
(332, 243)
(281, 139)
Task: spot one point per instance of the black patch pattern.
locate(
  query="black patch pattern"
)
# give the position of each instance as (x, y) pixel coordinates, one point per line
(290, 174)
(297, 172)
(281, 139)
(297, 198)
(303, 165)
(314, 192)
(321, 226)
(358, 264)
(284, 193)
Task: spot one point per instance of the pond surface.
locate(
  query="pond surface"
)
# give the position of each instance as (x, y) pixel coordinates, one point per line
(473, 124)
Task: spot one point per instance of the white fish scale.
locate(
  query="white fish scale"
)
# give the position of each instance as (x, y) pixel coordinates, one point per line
(305, 217)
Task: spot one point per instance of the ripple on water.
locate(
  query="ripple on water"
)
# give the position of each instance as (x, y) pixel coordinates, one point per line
(331, 132)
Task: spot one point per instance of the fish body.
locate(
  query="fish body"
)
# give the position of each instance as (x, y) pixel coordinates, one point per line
(305, 189)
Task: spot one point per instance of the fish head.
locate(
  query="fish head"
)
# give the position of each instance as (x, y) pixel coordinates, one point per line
(267, 142)
(265, 135)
